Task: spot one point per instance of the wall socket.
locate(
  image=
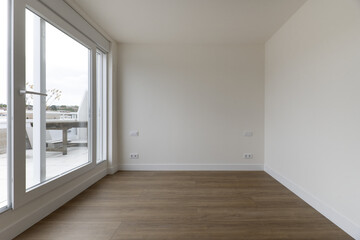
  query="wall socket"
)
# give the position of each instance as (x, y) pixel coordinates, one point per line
(248, 156)
(134, 156)
(248, 133)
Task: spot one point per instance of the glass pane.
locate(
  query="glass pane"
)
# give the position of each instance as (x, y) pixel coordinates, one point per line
(57, 124)
(100, 107)
(3, 104)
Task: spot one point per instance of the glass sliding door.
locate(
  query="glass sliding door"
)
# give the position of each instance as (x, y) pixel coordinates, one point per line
(4, 107)
(58, 114)
(57, 102)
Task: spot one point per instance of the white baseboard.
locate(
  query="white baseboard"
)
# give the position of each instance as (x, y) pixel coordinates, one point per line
(338, 219)
(42, 211)
(192, 167)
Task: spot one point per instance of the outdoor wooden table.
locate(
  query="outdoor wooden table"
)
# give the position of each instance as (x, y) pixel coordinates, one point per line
(64, 125)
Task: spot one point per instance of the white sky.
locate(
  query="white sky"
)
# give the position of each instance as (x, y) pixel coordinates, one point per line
(67, 61)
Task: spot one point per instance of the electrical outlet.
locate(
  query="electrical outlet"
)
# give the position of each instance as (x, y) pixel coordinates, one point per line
(248, 156)
(134, 156)
(248, 133)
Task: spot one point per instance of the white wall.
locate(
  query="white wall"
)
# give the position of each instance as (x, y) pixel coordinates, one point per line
(191, 104)
(312, 116)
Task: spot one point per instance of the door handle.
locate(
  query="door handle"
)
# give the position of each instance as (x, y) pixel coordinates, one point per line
(23, 92)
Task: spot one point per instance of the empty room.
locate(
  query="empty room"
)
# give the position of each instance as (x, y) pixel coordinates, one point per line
(179, 119)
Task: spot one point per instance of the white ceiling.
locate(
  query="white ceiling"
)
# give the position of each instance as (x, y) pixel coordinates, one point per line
(190, 21)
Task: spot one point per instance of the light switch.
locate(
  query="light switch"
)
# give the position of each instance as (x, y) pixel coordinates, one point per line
(134, 133)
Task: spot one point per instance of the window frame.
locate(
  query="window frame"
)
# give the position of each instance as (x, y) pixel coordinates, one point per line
(104, 112)
(20, 195)
(9, 109)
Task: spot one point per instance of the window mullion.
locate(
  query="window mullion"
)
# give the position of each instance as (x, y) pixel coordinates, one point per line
(39, 112)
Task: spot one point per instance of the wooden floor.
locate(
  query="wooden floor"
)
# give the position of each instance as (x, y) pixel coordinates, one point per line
(185, 205)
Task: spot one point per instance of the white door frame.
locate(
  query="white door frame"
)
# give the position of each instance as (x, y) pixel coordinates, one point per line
(20, 195)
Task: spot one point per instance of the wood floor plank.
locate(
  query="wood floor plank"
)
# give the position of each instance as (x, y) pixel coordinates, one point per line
(186, 205)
